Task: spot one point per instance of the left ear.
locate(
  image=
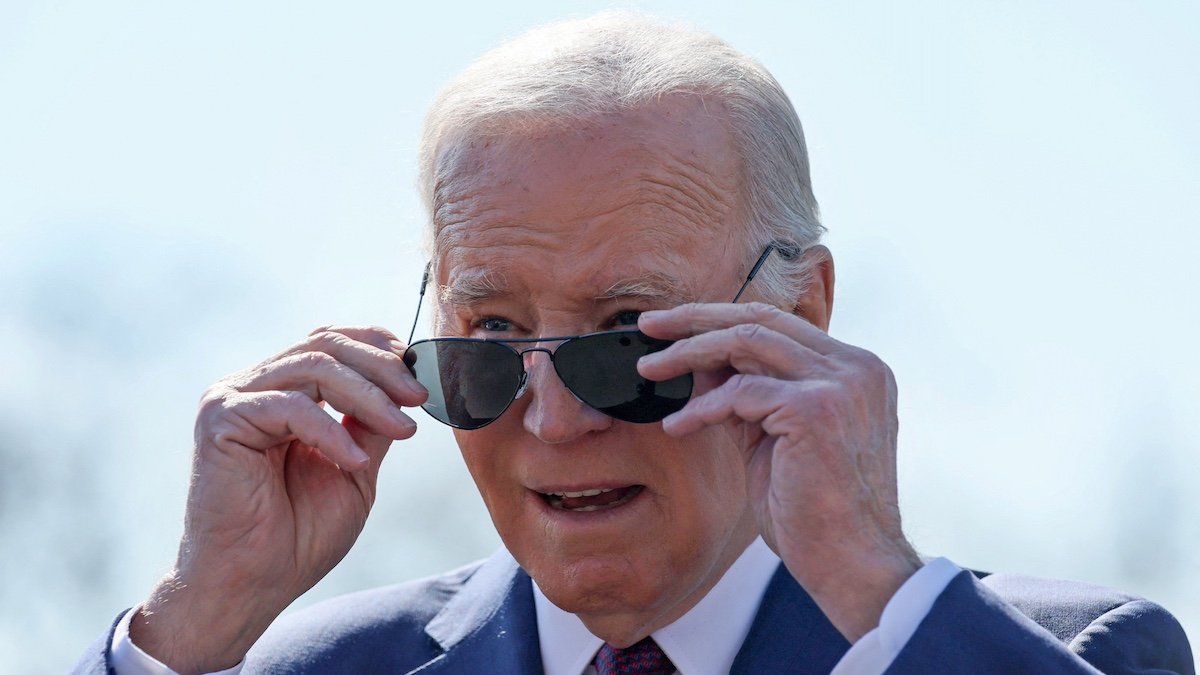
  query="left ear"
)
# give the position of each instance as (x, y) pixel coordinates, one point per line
(816, 303)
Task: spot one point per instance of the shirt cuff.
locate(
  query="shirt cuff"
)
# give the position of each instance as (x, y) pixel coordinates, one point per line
(876, 650)
(127, 658)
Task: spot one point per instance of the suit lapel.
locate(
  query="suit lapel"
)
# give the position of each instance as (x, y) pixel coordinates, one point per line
(789, 634)
(489, 625)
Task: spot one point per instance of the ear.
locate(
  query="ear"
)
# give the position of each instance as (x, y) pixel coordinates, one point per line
(815, 305)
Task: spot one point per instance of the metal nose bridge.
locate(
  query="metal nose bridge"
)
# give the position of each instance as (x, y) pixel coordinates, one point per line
(523, 352)
(525, 372)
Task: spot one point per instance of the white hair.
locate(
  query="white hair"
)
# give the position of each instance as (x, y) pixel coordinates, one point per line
(569, 71)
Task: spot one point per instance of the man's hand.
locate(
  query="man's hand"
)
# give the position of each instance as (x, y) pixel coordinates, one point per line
(279, 491)
(816, 420)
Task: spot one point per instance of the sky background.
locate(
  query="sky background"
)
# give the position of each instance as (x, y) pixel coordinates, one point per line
(1012, 193)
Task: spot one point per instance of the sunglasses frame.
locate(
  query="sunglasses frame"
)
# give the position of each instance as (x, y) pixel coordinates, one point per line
(786, 251)
(520, 354)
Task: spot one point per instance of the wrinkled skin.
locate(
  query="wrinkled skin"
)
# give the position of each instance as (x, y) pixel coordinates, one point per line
(789, 433)
(553, 221)
(799, 444)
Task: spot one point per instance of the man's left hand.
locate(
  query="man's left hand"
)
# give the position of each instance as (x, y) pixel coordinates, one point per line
(816, 421)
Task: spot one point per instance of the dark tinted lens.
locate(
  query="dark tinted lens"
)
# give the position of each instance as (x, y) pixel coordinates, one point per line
(470, 382)
(602, 371)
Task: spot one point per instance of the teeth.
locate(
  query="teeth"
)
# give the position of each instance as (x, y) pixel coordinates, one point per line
(556, 500)
(583, 493)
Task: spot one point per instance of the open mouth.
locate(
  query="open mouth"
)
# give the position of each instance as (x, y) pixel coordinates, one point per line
(594, 499)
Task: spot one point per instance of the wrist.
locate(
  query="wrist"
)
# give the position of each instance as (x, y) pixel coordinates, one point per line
(852, 587)
(196, 628)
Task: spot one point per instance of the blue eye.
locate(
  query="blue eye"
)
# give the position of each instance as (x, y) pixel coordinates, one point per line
(495, 324)
(627, 318)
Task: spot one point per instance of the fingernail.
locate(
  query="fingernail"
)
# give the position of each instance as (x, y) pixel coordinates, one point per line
(416, 387)
(404, 420)
(361, 459)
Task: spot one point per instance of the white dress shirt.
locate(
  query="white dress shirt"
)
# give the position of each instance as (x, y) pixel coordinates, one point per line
(702, 642)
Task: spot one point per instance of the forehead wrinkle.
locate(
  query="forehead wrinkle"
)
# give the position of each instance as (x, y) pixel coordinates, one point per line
(698, 185)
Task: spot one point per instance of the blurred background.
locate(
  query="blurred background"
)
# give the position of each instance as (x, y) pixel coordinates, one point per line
(1012, 192)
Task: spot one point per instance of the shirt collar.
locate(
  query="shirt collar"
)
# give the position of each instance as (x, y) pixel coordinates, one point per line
(702, 642)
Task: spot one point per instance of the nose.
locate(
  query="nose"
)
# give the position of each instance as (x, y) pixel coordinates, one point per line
(552, 412)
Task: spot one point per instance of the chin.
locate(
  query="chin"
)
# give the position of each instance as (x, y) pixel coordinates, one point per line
(600, 583)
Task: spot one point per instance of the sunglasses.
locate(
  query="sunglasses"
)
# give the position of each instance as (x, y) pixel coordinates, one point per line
(472, 381)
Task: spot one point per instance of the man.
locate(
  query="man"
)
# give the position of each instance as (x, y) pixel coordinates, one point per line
(715, 493)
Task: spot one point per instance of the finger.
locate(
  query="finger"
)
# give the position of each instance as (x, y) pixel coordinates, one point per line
(752, 398)
(375, 445)
(323, 378)
(370, 354)
(695, 318)
(260, 420)
(376, 336)
(748, 348)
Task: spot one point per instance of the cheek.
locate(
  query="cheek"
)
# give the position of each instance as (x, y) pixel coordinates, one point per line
(714, 464)
(479, 450)
(706, 486)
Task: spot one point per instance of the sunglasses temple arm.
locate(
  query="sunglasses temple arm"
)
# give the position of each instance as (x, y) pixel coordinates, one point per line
(420, 299)
(754, 271)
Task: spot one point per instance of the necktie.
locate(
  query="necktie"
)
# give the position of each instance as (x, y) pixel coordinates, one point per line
(641, 658)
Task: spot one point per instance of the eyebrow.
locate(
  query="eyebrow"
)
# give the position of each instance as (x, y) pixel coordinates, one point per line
(473, 288)
(652, 286)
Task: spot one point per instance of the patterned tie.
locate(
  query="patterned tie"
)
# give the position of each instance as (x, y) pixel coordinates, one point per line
(642, 658)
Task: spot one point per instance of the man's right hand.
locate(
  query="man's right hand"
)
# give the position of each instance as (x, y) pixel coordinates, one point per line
(279, 491)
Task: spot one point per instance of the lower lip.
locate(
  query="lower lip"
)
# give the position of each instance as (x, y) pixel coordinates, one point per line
(568, 518)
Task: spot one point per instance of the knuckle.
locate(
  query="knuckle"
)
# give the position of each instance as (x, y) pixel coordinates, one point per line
(885, 371)
(380, 330)
(761, 311)
(294, 402)
(326, 338)
(314, 360)
(873, 369)
(330, 428)
(826, 408)
(319, 329)
(211, 395)
(866, 357)
(738, 384)
(747, 332)
(221, 437)
(212, 401)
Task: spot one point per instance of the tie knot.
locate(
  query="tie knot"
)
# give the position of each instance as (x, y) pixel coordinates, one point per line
(641, 658)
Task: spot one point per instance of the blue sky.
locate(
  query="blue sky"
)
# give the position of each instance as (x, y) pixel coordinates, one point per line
(1011, 192)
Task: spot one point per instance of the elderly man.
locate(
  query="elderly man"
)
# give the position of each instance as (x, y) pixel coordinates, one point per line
(681, 482)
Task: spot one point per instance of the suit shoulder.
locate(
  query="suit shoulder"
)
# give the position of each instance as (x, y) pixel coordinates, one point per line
(1063, 607)
(1139, 632)
(1090, 617)
(380, 628)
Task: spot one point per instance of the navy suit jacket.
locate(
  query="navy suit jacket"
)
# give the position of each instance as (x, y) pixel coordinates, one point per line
(480, 619)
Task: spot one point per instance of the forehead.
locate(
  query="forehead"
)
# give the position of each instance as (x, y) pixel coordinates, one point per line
(651, 190)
